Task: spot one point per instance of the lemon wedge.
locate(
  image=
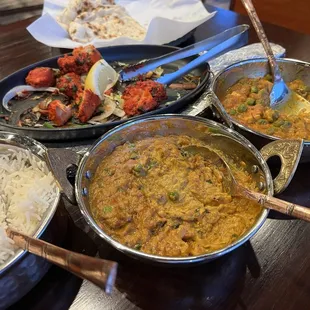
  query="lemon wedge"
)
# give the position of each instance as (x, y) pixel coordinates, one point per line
(100, 78)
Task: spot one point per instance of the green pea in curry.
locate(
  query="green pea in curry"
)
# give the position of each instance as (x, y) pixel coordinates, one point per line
(154, 197)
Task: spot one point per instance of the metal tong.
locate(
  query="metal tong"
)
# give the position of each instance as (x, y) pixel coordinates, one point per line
(215, 46)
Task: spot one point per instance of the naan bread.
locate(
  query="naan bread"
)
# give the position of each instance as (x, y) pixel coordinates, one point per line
(86, 20)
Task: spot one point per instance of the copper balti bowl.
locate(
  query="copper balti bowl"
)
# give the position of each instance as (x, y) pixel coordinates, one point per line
(232, 144)
(255, 68)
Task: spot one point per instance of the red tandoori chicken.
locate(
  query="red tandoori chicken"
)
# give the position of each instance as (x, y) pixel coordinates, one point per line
(75, 104)
(69, 84)
(59, 113)
(41, 77)
(143, 96)
(81, 60)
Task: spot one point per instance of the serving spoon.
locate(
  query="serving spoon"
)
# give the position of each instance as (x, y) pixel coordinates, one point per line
(281, 97)
(98, 271)
(235, 189)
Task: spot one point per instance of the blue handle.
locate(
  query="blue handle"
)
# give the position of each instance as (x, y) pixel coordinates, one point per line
(234, 42)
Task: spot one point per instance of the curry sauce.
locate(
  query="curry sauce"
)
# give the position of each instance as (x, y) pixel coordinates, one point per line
(154, 197)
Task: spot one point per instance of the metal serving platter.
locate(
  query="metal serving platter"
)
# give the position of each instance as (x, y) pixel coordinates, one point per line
(125, 54)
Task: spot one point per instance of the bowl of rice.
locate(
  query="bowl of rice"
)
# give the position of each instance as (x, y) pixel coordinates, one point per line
(29, 196)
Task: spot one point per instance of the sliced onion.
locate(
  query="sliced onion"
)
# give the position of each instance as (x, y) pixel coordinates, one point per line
(119, 112)
(109, 107)
(43, 105)
(14, 91)
(96, 123)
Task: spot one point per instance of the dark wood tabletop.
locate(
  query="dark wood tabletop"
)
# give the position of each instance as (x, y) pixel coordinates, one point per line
(270, 272)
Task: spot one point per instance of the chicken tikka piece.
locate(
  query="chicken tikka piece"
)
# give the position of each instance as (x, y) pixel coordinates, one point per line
(81, 60)
(69, 84)
(41, 77)
(143, 96)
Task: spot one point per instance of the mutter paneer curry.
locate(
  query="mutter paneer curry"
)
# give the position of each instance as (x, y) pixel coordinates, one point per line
(248, 102)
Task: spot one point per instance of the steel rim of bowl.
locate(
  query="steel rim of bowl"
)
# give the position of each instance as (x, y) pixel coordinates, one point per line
(165, 259)
(7, 138)
(239, 64)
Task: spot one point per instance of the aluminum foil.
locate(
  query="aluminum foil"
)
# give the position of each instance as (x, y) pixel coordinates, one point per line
(251, 51)
(244, 53)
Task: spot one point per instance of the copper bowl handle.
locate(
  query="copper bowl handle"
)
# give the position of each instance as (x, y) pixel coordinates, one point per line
(59, 160)
(289, 152)
(218, 109)
(98, 271)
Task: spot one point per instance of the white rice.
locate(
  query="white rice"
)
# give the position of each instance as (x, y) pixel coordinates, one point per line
(27, 190)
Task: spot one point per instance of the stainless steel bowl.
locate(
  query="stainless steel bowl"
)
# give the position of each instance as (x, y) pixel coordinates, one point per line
(233, 145)
(254, 68)
(23, 271)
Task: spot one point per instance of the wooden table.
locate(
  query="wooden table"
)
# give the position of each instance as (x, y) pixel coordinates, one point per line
(271, 272)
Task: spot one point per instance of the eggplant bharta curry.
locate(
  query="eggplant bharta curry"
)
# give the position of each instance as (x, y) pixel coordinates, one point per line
(248, 102)
(154, 197)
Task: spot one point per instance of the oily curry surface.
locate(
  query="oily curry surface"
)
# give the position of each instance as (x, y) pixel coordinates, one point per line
(248, 102)
(154, 197)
